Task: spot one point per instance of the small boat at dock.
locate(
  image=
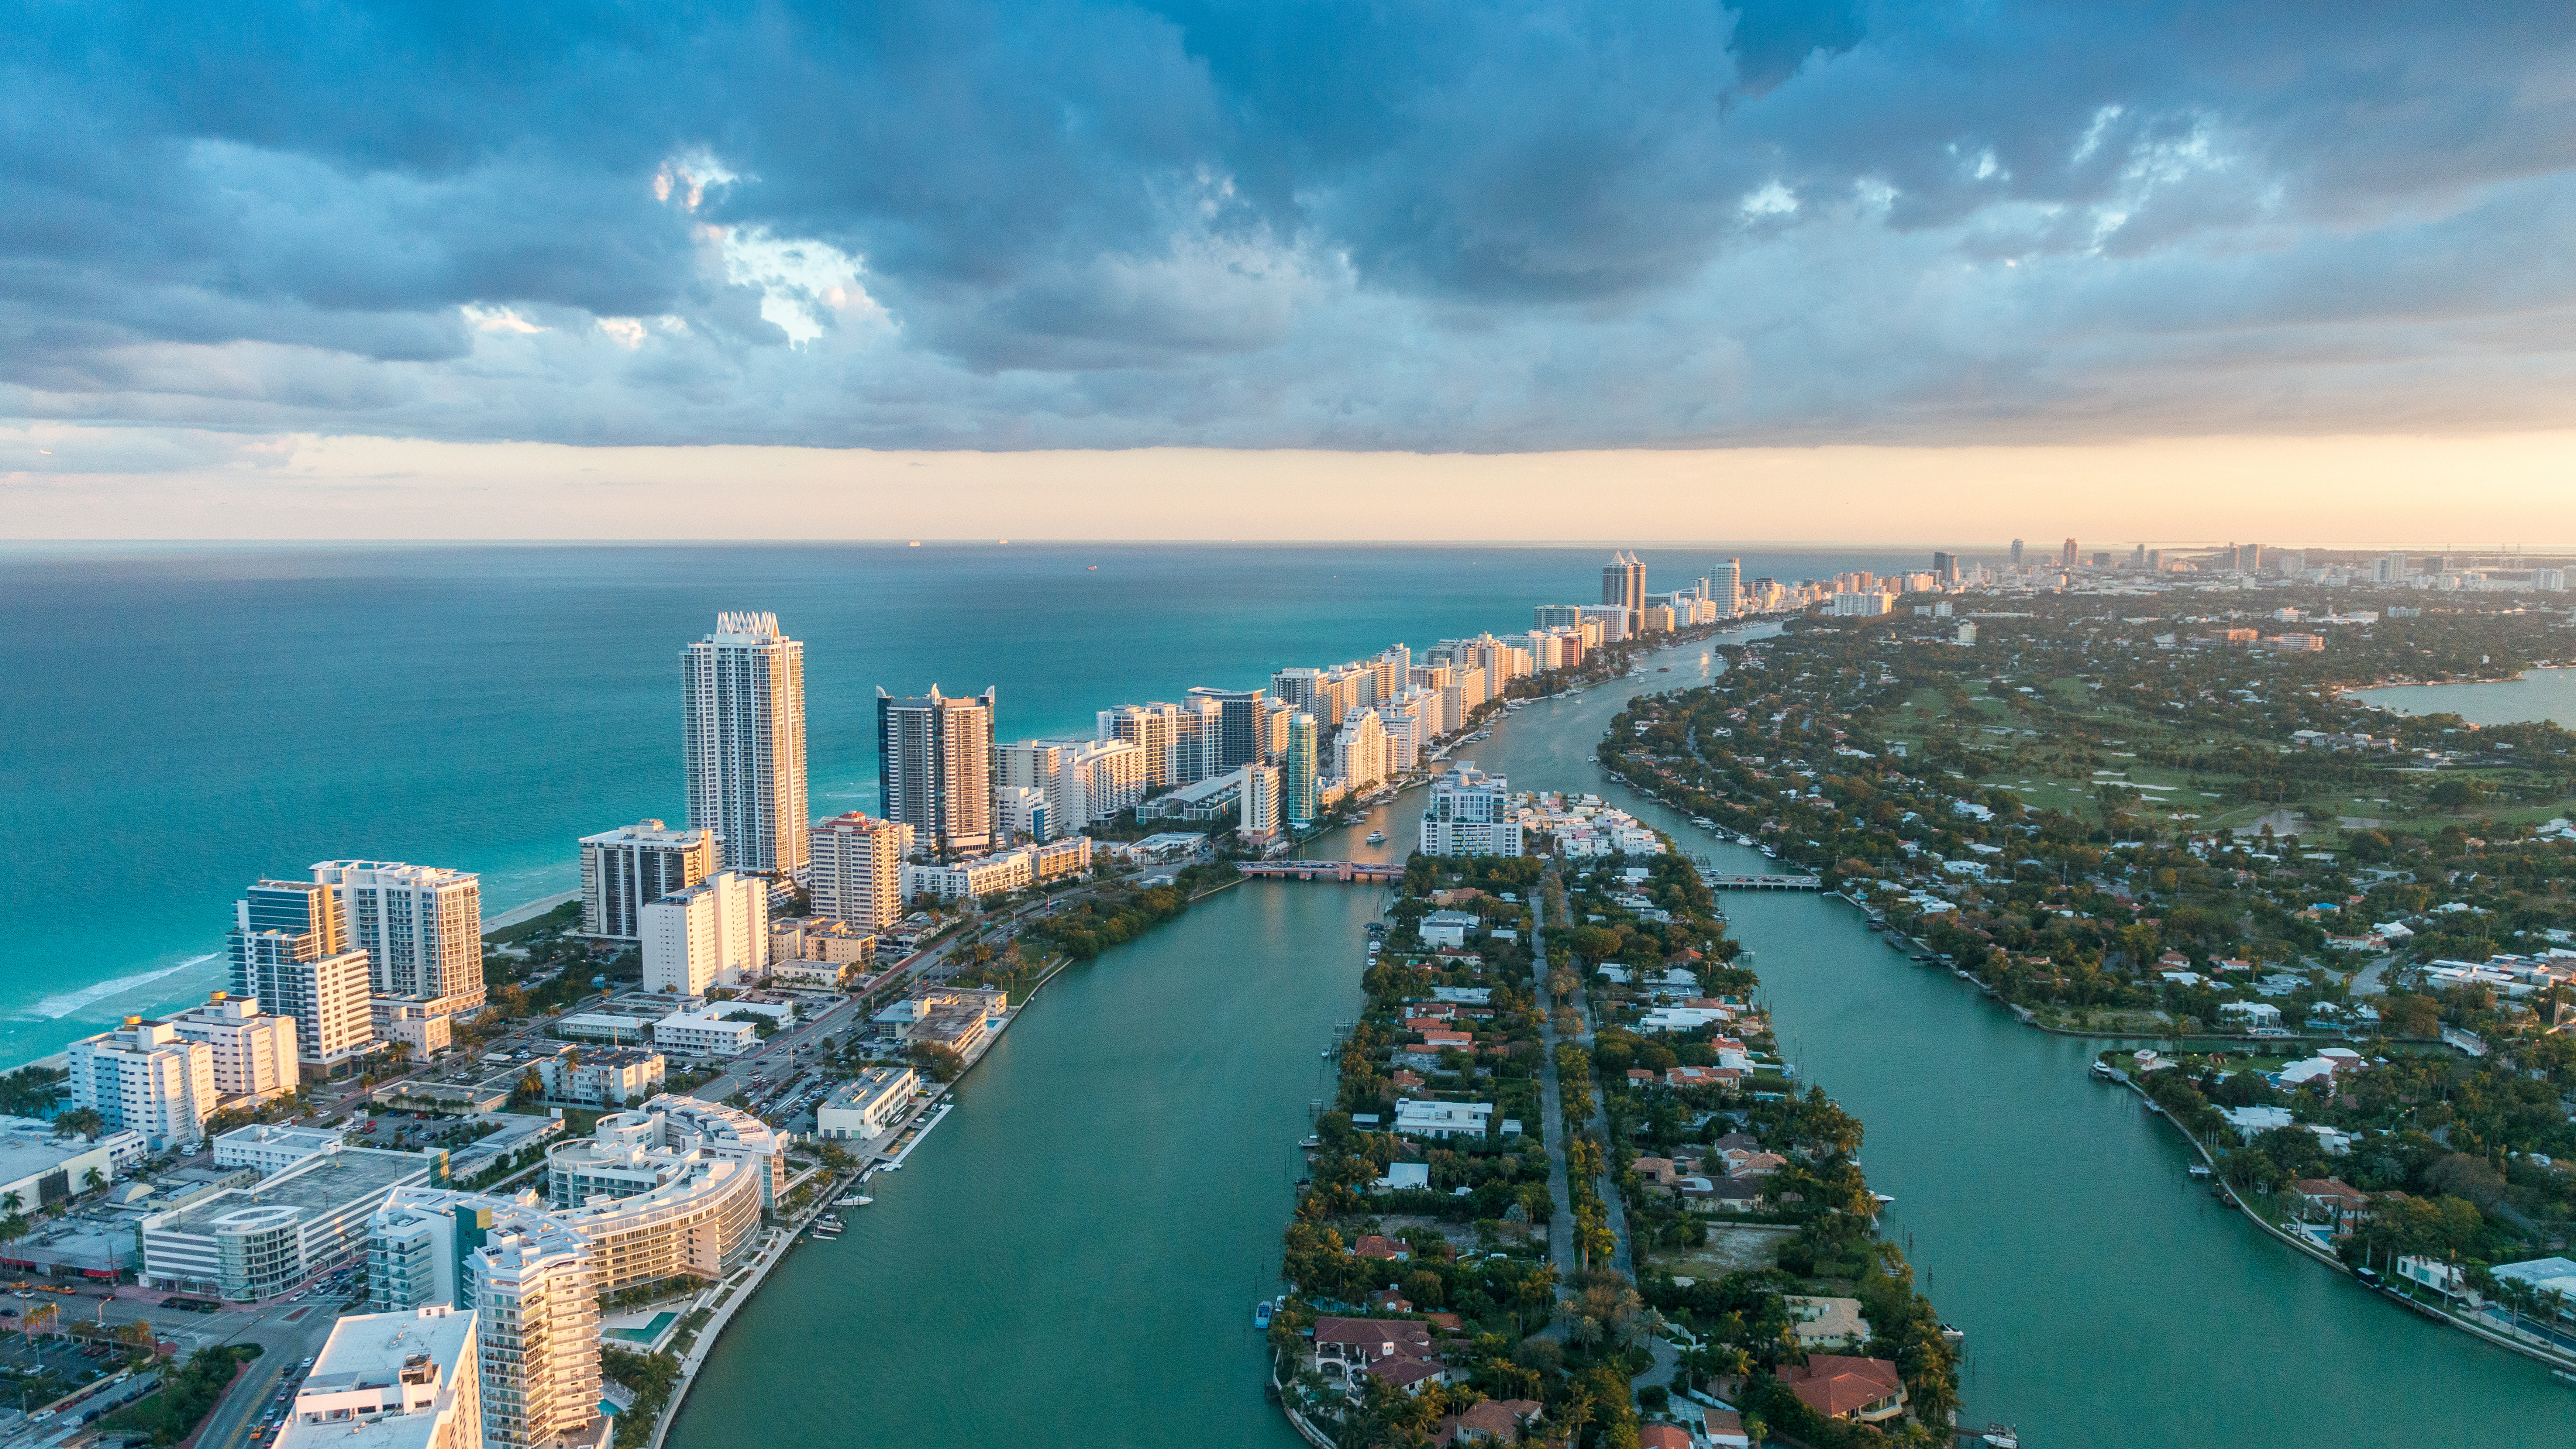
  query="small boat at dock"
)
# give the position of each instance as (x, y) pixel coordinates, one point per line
(2102, 1071)
(853, 1200)
(1261, 1313)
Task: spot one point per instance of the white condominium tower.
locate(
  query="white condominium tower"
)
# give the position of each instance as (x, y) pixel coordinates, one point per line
(858, 870)
(143, 1077)
(935, 768)
(254, 1051)
(627, 869)
(534, 1289)
(290, 952)
(712, 934)
(746, 743)
(420, 925)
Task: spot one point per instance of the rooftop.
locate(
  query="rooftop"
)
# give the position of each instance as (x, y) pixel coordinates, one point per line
(314, 1186)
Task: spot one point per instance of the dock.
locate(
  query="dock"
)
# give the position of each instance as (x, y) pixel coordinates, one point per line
(1764, 882)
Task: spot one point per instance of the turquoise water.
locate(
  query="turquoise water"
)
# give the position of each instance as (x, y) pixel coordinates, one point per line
(180, 721)
(2540, 694)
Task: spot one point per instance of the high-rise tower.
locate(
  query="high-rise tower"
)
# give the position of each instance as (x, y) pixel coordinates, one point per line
(1297, 786)
(746, 742)
(1623, 585)
(935, 768)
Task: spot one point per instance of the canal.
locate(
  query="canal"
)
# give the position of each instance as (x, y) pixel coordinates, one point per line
(2105, 1302)
(1071, 1257)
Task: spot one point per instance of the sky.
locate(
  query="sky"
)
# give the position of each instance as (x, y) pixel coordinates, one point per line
(1771, 271)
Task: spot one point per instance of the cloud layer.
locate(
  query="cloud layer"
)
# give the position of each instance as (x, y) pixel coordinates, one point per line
(1390, 225)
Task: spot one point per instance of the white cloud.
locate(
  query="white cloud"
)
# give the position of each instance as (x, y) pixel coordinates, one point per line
(496, 319)
(803, 283)
(1773, 199)
(626, 332)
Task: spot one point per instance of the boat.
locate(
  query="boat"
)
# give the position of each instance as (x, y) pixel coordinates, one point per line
(853, 1200)
(1261, 1312)
(2001, 1436)
(1377, 837)
(1953, 1336)
(1310, 1143)
(2102, 1071)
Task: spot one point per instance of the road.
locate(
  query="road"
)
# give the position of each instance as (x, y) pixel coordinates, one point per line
(1560, 1189)
(287, 1334)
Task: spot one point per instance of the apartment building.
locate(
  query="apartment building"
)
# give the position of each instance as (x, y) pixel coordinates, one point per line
(420, 925)
(712, 934)
(627, 869)
(857, 870)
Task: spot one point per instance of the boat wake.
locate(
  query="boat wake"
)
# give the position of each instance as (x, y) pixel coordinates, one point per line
(55, 1008)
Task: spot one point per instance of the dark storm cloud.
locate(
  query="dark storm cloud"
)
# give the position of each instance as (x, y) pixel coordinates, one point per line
(1425, 225)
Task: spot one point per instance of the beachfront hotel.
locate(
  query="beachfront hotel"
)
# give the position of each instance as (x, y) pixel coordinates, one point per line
(745, 733)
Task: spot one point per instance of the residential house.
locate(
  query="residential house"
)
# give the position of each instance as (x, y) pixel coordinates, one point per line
(1492, 1421)
(1826, 1322)
(2332, 1201)
(1866, 1389)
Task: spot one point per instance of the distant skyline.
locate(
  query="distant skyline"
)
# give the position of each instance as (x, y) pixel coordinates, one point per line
(1438, 251)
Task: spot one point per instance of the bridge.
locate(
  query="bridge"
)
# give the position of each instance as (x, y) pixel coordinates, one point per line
(1347, 872)
(1764, 882)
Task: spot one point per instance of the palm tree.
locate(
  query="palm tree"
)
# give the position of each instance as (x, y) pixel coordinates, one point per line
(93, 1180)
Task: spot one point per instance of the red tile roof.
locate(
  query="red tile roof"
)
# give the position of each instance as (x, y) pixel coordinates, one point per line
(1834, 1385)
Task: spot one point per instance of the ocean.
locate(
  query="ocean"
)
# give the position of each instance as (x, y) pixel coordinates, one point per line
(180, 721)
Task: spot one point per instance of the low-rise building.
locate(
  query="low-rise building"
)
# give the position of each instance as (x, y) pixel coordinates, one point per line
(41, 1167)
(617, 1028)
(1442, 1119)
(270, 1150)
(707, 1032)
(867, 1106)
(1826, 1323)
(610, 1077)
(954, 1017)
(421, 1026)
(1866, 1389)
(258, 1241)
(1449, 928)
(406, 1380)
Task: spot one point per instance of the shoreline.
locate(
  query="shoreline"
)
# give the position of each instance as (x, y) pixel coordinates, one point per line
(2236, 1200)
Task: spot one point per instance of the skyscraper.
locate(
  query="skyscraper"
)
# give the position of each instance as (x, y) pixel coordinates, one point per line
(935, 768)
(1238, 741)
(858, 869)
(1945, 568)
(2067, 559)
(1623, 585)
(290, 953)
(420, 925)
(625, 870)
(1727, 588)
(1297, 784)
(746, 742)
(2016, 553)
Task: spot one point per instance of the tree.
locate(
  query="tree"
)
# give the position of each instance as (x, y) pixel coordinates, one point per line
(93, 1180)
(80, 1121)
